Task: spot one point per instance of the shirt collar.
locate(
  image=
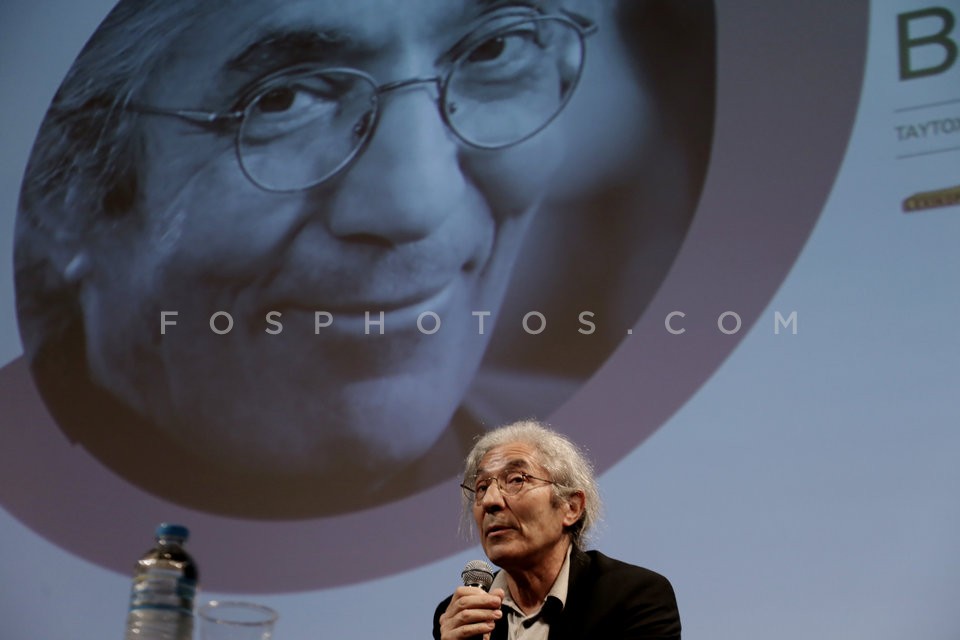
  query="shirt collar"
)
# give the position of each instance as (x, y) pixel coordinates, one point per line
(557, 593)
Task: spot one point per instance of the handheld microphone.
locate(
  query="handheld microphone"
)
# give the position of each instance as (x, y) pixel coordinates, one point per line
(477, 573)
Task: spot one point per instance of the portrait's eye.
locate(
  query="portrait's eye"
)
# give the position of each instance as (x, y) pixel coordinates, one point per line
(290, 105)
(277, 100)
(295, 99)
(489, 50)
(506, 57)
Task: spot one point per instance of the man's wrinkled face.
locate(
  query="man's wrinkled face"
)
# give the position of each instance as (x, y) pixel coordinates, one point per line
(521, 530)
(417, 223)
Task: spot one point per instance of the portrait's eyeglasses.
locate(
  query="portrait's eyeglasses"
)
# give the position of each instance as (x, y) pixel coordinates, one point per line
(510, 483)
(501, 84)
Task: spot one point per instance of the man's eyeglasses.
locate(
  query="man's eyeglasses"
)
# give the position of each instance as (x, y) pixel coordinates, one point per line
(510, 483)
(501, 84)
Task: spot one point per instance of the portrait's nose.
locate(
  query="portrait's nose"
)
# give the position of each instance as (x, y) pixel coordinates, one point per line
(407, 181)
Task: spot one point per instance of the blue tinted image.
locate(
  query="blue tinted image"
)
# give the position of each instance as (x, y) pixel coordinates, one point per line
(309, 244)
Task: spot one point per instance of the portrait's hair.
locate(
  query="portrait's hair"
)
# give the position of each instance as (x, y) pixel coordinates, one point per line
(565, 462)
(82, 177)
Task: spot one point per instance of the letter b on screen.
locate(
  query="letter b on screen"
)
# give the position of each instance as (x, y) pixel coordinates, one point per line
(924, 42)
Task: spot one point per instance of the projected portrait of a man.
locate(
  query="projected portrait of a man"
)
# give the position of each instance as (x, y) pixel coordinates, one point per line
(292, 244)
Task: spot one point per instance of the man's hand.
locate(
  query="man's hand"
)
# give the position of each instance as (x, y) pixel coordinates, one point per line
(472, 613)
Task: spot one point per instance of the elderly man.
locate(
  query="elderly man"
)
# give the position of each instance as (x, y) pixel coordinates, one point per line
(533, 497)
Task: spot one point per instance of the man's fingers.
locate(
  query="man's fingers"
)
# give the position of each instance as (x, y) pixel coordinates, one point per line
(472, 612)
(475, 598)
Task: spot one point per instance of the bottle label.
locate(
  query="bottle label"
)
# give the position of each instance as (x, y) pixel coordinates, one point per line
(162, 589)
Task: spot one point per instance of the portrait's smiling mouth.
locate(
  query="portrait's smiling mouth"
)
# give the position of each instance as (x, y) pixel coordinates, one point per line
(393, 303)
(396, 307)
(407, 304)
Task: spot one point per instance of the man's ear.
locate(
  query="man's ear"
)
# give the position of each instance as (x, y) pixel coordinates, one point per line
(576, 503)
(64, 254)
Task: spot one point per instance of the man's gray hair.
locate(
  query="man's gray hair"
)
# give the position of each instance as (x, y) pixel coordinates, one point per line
(565, 462)
(82, 179)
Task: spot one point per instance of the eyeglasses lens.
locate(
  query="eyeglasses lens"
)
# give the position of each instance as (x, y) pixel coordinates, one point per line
(510, 86)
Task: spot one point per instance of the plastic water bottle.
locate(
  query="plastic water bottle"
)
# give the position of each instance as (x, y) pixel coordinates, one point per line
(164, 585)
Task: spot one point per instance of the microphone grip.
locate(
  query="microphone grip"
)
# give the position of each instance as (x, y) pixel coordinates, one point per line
(477, 573)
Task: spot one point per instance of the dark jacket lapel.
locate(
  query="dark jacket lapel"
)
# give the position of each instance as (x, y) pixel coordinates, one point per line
(562, 626)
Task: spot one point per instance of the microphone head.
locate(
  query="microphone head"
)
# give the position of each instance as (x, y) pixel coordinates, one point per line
(477, 573)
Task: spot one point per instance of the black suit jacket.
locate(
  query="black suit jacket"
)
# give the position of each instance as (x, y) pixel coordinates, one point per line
(606, 600)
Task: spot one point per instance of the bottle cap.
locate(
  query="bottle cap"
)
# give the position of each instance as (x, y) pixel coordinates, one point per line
(167, 530)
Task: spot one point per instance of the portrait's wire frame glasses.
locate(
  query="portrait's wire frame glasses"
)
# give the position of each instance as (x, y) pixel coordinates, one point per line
(364, 127)
(510, 482)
